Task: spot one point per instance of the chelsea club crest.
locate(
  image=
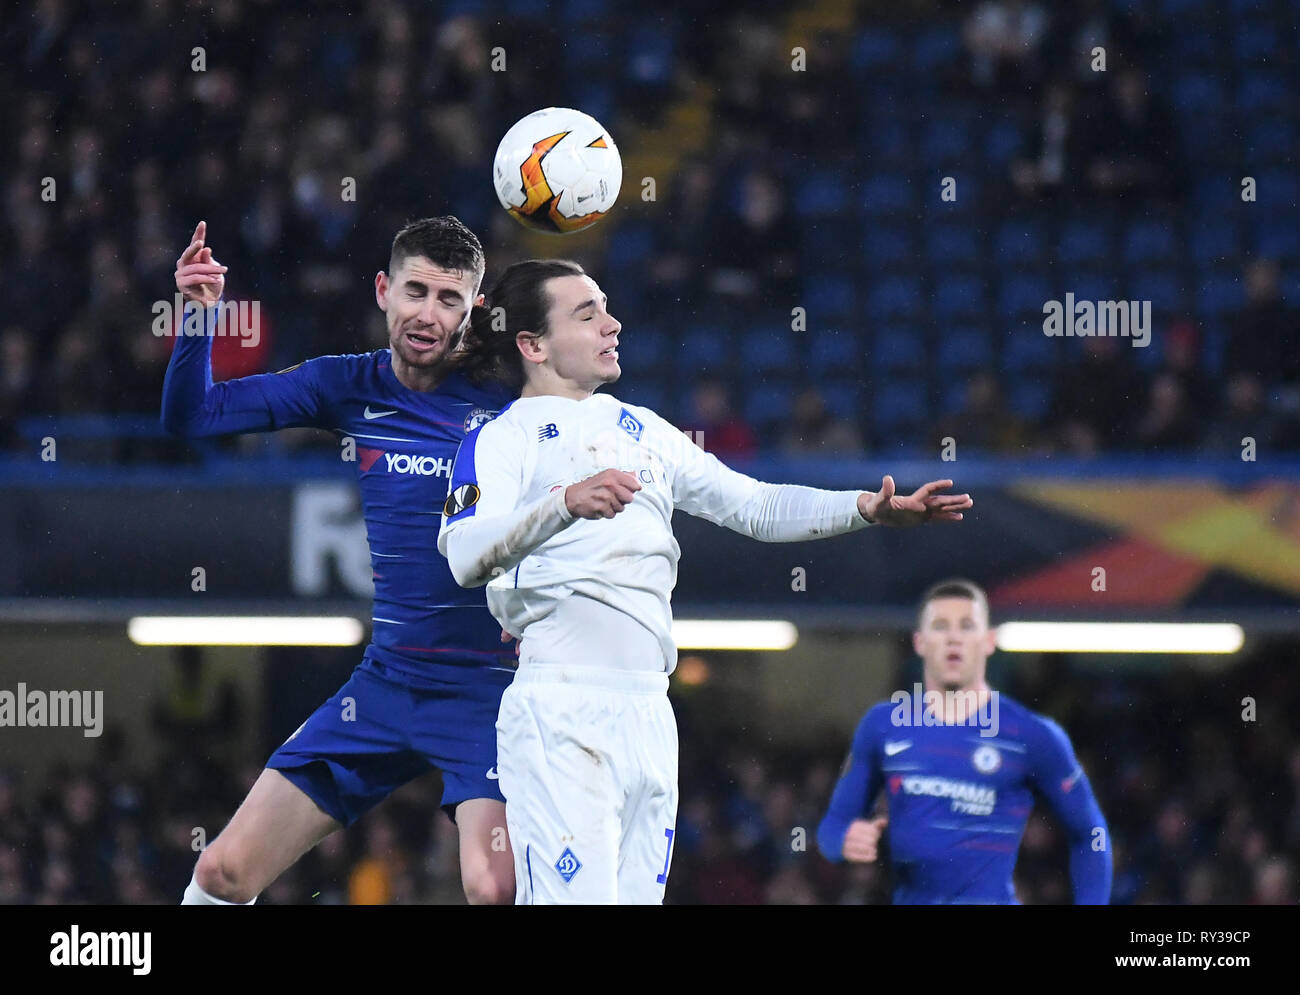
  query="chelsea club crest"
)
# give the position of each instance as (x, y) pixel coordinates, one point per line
(477, 417)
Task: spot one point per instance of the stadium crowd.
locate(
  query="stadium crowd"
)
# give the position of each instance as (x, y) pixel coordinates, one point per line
(1201, 794)
(815, 189)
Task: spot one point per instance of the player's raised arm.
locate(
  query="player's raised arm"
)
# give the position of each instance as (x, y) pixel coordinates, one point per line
(706, 487)
(844, 832)
(191, 404)
(1059, 778)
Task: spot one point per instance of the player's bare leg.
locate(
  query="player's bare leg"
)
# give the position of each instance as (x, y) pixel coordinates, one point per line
(487, 864)
(276, 824)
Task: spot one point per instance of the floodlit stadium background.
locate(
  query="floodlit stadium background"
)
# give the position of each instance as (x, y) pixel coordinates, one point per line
(839, 226)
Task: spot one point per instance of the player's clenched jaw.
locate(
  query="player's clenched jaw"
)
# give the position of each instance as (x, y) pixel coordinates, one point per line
(426, 308)
(579, 351)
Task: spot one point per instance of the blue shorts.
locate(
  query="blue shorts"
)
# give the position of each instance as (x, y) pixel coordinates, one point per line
(376, 733)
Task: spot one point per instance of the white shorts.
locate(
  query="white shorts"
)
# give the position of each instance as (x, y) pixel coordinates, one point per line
(588, 764)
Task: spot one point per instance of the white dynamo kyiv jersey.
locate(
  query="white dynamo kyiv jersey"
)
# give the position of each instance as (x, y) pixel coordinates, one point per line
(505, 522)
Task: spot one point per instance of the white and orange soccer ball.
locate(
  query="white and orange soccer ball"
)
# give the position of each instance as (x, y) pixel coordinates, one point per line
(557, 170)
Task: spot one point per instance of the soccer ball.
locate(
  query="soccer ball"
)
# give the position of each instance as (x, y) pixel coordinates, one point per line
(557, 170)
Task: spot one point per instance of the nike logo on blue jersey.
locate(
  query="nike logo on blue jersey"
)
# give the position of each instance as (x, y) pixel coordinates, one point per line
(899, 747)
(371, 415)
(492, 774)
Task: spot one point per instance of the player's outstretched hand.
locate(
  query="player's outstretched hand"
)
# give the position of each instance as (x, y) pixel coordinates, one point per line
(601, 496)
(887, 508)
(862, 840)
(199, 277)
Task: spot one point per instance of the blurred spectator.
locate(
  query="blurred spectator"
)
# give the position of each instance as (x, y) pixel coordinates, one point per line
(814, 431)
(1263, 335)
(984, 423)
(1130, 143)
(1244, 415)
(753, 253)
(1054, 166)
(717, 427)
(1094, 401)
(20, 390)
(1167, 422)
(1004, 38)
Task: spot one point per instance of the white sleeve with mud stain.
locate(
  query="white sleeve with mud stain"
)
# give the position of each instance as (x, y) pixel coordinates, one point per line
(486, 528)
(480, 548)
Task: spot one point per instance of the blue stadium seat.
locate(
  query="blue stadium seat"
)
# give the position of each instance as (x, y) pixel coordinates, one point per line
(1219, 295)
(886, 194)
(898, 347)
(961, 295)
(1084, 240)
(1149, 240)
(1020, 242)
(876, 51)
(830, 297)
(768, 404)
(1197, 93)
(527, 10)
(1164, 288)
(952, 244)
(1028, 351)
(896, 297)
(947, 138)
(843, 398)
(631, 248)
(1261, 92)
(1214, 239)
(887, 245)
(768, 349)
(1270, 140)
(1276, 236)
(935, 49)
(582, 12)
(1181, 11)
(964, 348)
(1030, 398)
(704, 346)
(1024, 294)
(831, 242)
(835, 351)
(646, 345)
(898, 404)
(1279, 189)
(1255, 42)
(1002, 142)
(821, 192)
(886, 142)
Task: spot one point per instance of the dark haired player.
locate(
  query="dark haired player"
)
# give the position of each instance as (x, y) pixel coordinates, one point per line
(427, 692)
(961, 768)
(563, 506)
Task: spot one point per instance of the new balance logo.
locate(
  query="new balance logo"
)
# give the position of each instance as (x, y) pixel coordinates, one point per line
(547, 431)
(372, 415)
(899, 747)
